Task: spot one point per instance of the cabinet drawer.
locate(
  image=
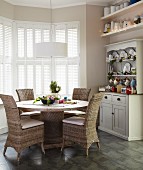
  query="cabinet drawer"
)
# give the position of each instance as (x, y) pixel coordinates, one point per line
(119, 99)
(107, 98)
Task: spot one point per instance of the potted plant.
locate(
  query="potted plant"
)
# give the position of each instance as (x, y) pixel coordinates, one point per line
(54, 87)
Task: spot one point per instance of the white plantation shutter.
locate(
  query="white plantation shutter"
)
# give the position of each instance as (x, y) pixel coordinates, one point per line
(5, 56)
(29, 43)
(37, 74)
(8, 78)
(21, 42)
(47, 78)
(38, 35)
(21, 76)
(67, 69)
(73, 76)
(30, 73)
(1, 78)
(8, 41)
(60, 35)
(1, 41)
(38, 79)
(46, 35)
(73, 42)
(60, 74)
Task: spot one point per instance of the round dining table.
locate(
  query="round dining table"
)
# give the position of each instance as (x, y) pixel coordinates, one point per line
(52, 116)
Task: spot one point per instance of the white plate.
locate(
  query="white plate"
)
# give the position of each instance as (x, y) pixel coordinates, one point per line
(127, 68)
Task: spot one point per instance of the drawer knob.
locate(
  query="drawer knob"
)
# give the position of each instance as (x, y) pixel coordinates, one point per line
(118, 99)
(112, 113)
(105, 97)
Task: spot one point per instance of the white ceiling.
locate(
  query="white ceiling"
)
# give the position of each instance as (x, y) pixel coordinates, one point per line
(56, 3)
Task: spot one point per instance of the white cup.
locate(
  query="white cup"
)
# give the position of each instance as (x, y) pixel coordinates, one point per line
(112, 25)
(120, 25)
(116, 26)
(117, 7)
(121, 6)
(106, 11)
(113, 9)
(126, 4)
(125, 24)
(129, 23)
(110, 57)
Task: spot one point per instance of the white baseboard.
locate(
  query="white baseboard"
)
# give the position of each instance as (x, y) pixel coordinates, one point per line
(113, 133)
(120, 135)
(3, 130)
(135, 138)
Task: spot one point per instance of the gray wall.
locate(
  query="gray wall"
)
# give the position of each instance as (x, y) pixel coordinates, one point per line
(96, 68)
(31, 14)
(6, 10)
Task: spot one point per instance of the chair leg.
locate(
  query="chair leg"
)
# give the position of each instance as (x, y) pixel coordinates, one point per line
(86, 151)
(18, 157)
(4, 151)
(63, 145)
(42, 147)
(98, 145)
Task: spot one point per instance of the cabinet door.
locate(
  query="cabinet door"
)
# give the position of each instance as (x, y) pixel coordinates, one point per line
(119, 119)
(106, 116)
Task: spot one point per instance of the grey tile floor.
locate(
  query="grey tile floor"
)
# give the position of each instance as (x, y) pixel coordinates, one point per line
(115, 154)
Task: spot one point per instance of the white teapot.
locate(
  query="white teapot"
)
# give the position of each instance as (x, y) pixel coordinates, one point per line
(127, 82)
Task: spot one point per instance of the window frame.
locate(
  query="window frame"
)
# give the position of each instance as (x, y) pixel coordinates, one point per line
(50, 61)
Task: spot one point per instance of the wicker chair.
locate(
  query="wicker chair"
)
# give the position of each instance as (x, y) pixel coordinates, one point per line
(78, 94)
(82, 130)
(21, 133)
(81, 94)
(28, 94)
(25, 94)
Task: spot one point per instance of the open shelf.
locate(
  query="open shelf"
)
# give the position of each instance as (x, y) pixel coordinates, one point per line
(127, 29)
(125, 60)
(123, 11)
(124, 75)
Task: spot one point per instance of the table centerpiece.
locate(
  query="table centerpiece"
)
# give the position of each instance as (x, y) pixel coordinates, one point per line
(54, 97)
(49, 99)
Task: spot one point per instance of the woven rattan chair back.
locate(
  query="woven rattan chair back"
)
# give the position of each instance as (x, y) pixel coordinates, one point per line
(12, 112)
(20, 138)
(25, 94)
(92, 110)
(81, 94)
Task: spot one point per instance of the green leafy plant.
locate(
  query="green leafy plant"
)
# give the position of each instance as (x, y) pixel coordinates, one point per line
(110, 75)
(54, 87)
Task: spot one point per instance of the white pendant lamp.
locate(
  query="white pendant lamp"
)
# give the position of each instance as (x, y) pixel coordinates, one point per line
(51, 49)
(48, 49)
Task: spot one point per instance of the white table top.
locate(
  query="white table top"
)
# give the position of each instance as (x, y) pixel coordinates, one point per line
(29, 106)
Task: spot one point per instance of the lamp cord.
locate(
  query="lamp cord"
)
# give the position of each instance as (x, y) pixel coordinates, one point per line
(51, 17)
(51, 10)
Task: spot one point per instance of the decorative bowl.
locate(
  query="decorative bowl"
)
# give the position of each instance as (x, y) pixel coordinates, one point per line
(44, 101)
(47, 101)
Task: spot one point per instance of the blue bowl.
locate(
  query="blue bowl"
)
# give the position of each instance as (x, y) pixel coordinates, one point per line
(44, 101)
(52, 101)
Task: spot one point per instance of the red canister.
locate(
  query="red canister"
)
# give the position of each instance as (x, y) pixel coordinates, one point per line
(128, 90)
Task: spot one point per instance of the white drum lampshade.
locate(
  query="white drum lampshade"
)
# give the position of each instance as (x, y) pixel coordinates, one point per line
(48, 49)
